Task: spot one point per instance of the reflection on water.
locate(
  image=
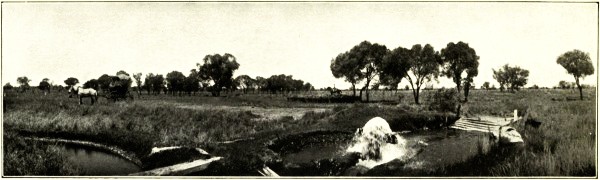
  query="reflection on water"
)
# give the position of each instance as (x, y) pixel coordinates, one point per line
(422, 150)
(448, 147)
(315, 153)
(92, 162)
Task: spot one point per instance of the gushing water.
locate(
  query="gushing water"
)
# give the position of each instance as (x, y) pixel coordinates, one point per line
(377, 144)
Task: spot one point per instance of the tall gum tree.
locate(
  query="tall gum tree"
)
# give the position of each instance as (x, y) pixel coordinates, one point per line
(364, 61)
(395, 66)
(219, 69)
(578, 64)
(424, 63)
(457, 59)
(349, 69)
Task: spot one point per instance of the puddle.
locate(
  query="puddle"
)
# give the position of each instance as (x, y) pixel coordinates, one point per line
(92, 162)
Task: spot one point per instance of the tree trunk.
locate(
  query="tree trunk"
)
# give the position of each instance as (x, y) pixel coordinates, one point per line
(458, 91)
(353, 90)
(580, 89)
(466, 93)
(367, 89)
(416, 94)
(360, 93)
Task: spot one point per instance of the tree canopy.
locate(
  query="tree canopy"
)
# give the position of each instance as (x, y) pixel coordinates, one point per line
(511, 78)
(578, 64)
(23, 81)
(395, 66)
(7, 86)
(153, 83)
(71, 81)
(365, 62)
(92, 83)
(245, 82)
(348, 68)
(44, 85)
(418, 65)
(104, 81)
(219, 69)
(175, 80)
(192, 82)
(138, 81)
(457, 59)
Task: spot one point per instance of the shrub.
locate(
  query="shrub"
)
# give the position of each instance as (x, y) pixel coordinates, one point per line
(444, 100)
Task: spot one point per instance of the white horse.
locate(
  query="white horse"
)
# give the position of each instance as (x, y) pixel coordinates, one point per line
(84, 92)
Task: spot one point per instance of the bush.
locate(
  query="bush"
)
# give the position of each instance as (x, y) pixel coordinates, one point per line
(444, 100)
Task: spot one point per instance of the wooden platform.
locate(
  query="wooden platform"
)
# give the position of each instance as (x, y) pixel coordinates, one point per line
(483, 123)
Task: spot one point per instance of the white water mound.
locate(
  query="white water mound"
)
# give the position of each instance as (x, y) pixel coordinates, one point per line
(377, 144)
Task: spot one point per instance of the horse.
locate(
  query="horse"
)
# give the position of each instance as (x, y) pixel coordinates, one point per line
(84, 92)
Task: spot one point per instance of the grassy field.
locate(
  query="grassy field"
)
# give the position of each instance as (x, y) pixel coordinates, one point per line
(564, 144)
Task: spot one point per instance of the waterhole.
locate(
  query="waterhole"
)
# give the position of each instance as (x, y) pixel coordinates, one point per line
(93, 162)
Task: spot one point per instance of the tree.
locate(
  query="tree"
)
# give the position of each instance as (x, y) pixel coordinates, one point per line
(7, 86)
(261, 83)
(44, 86)
(219, 69)
(534, 87)
(192, 82)
(578, 64)
(395, 67)
(457, 59)
(71, 81)
(23, 83)
(104, 82)
(364, 61)
(138, 82)
(158, 83)
(486, 85)
(245, 82)
(277, 83)
(421, 65)
(511, 78)
(148, 82)
(308, 87)
(345, 67)
(92, 83)
(175, 80)
(564, 85)
(128, 81)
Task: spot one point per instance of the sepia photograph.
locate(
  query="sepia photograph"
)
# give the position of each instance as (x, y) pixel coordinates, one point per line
(299, 89)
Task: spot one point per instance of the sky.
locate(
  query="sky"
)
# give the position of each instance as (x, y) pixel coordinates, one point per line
(88, 39)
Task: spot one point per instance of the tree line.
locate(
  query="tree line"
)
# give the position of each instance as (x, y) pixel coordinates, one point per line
(368, 62)
(214, 74)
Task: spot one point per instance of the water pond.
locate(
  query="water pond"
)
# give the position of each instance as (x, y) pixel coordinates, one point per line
(94, 162)
(433, 149)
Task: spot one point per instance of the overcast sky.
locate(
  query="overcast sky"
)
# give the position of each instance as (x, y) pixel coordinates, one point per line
(86, 40)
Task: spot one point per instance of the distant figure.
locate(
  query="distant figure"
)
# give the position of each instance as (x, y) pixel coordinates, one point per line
(84, 92)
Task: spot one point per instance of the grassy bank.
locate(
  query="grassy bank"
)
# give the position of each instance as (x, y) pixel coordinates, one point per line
(33, 158)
